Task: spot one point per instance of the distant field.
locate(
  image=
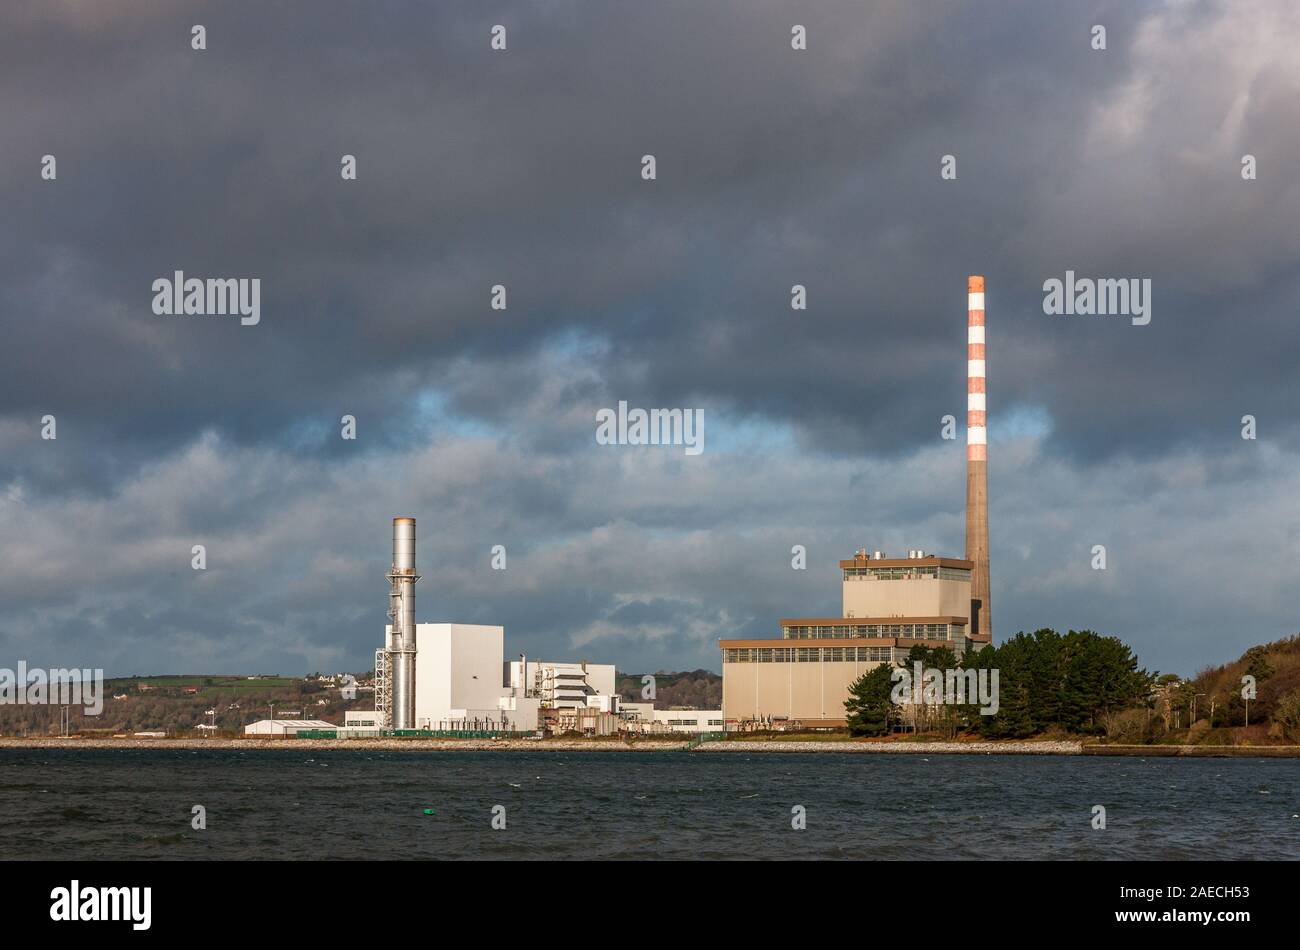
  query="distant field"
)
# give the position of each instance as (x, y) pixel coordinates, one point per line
(203, 682)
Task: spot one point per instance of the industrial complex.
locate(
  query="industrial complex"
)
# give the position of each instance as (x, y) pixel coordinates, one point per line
(889, 605)
(454, 678)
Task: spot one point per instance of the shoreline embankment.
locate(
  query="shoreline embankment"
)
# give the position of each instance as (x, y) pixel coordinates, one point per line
(898, 748)
(360, 745)
(742, 746)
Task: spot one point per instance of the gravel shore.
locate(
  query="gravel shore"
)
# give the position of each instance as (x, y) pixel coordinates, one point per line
(383, 745)
(554, 745)
(916, 748)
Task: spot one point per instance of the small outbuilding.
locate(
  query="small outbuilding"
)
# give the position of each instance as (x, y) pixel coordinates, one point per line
(285, 727)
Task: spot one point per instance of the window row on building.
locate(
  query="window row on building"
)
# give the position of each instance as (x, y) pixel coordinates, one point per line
(917, 631)
(809, 655)
(905, 573)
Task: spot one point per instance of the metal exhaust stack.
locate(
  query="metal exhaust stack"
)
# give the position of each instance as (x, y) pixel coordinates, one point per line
(977, 475)
(401, 614)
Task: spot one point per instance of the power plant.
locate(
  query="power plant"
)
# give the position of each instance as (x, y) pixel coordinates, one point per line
(889, 605)
(463, 683)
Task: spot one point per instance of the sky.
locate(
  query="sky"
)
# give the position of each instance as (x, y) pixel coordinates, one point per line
(523, 168)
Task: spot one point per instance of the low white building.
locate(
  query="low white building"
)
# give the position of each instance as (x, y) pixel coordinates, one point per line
(285, 727)
(643, 717)
(362, 719)
(691, 720)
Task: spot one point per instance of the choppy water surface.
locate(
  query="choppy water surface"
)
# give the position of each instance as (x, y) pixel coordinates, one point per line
(320, 804)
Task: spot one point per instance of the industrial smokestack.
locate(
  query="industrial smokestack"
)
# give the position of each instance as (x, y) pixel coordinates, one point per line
(977, 454)
(401, 614)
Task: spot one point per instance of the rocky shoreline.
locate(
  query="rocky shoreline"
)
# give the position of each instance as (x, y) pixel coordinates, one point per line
(555, 745)
(902, 748)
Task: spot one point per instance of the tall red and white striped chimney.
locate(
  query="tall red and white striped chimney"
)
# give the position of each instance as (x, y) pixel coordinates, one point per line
(977, 454)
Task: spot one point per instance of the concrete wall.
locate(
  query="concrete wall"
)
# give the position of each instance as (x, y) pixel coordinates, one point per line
(432, 673)
(644, 712)
(476, 659)
(914, 597)
(457, 669)
(522, 713)
(805, 691)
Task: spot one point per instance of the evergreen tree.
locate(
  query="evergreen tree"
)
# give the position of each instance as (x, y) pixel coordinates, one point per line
(1257, 664)
(939, 658)
(1077, 682)
(869, 709)
(1015, 718)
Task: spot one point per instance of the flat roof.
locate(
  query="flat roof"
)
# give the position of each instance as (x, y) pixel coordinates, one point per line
(934, 561)
(861, 621)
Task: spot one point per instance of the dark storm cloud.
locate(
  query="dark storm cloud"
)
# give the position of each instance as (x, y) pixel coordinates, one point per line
(475, 168)
(521, 169)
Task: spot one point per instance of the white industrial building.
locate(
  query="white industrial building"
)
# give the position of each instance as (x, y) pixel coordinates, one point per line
(458, 680)
(452, 676)
(463, 683)
(285, 727)
(564, 685)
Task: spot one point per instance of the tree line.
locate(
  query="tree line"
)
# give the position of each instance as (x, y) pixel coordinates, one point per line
(1076, 682)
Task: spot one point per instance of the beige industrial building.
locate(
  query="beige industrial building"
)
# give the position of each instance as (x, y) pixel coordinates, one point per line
(889, 605)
